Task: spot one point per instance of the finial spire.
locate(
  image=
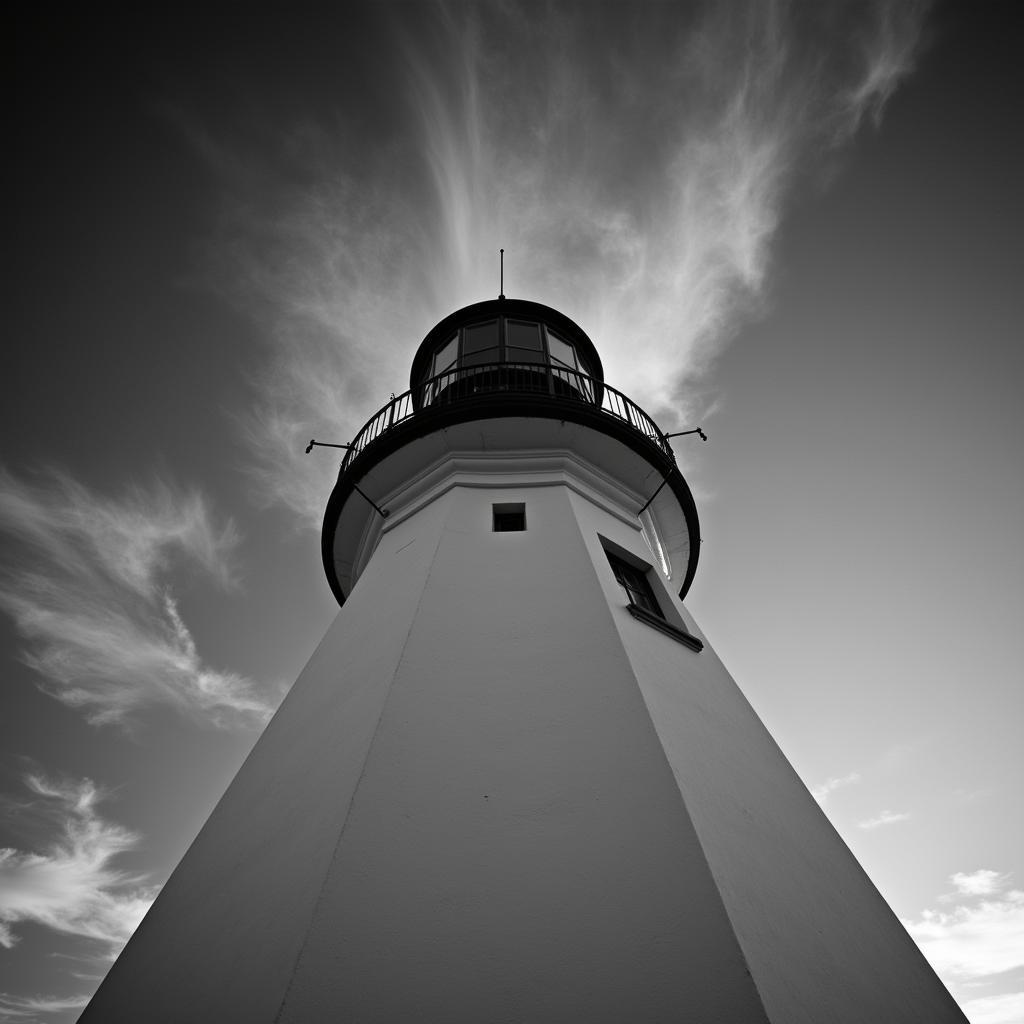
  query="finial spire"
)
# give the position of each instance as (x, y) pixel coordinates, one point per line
(501, 287)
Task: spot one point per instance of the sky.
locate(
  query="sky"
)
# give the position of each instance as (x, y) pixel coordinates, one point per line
(795, 225)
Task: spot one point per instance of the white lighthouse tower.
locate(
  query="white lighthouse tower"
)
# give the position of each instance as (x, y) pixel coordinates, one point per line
(513, 783)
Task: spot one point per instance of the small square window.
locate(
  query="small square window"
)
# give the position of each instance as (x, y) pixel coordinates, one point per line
(509, 517)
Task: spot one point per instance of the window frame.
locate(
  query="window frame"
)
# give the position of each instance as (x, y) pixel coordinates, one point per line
(633, 580)
(507, 348)
(504, 349)
(620, 562)
(540, 361)
(498, 346)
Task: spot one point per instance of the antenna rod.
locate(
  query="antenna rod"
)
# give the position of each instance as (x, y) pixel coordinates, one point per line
(696, 430)
(501, 287)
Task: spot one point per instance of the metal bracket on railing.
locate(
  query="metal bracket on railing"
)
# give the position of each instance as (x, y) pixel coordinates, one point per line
(653, 496)
(696, 430)
(678, 433)
(324, 444)
(382, 512)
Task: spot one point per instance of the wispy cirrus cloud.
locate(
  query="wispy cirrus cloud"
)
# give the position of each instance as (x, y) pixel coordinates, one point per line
(885, 818)
(32, 1008)
(1007, 1008)
(821, 793)
(640, 175)
(887, 53)
(72, 886)
(86, 587)
(635, 162)
(983, 882)
(981, 937)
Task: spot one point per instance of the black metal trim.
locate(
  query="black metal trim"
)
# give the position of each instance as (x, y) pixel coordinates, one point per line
(647, 503)
(494, 405)
(660, 624)
(485, 382)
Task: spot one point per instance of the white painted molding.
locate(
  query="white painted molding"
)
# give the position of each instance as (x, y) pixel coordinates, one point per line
(522, 470)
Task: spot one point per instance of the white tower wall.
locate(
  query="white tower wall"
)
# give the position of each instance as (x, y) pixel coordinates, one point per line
(221, 941)
(461, 812)
(820, 942)
(494, 794)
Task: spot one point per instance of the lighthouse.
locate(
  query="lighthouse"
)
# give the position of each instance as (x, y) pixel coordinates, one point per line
(514, 782)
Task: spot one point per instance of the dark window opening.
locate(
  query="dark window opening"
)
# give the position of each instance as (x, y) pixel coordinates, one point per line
(643, 605)
(523, 342)
(636, 585)
(562, 353)
(445, 357)
(480, 344)
(482, 353)
(509, 518)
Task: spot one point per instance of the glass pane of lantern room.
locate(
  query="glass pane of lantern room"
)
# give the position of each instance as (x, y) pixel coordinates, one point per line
(564, 355)
(480, 344)
(523, 342)
(561, 352)
(445, 357)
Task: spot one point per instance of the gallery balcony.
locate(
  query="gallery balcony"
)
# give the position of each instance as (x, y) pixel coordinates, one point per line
(491, 390)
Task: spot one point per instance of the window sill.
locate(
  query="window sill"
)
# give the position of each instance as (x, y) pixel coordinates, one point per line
(686, 639)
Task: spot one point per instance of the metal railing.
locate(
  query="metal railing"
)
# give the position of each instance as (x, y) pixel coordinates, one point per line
(466, 383)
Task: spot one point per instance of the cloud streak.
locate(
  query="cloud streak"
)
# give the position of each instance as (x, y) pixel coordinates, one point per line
(72, 887)
(1007, 1008)
(635, 162)
(885, 818)
(821, 793)
(978, 883)
(976, 940)
(88, 592)
(29, 1008)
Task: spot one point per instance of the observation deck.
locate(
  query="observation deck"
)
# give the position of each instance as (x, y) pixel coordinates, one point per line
(531, 368)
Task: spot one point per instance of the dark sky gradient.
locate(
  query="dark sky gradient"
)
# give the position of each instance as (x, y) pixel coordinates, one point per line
(230, 233)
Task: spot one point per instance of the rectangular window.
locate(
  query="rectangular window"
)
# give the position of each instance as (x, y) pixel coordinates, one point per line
(444, 363)
(509, 517)
(523, 342)
(480, 344)
(565, 363)
(636, 585)
(643, 605)
(562, 353)
(445, 357)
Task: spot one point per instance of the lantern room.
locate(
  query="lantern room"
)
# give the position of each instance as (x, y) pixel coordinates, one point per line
(505, 344)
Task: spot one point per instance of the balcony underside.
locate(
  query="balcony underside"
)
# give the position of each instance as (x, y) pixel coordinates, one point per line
(509, 422)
